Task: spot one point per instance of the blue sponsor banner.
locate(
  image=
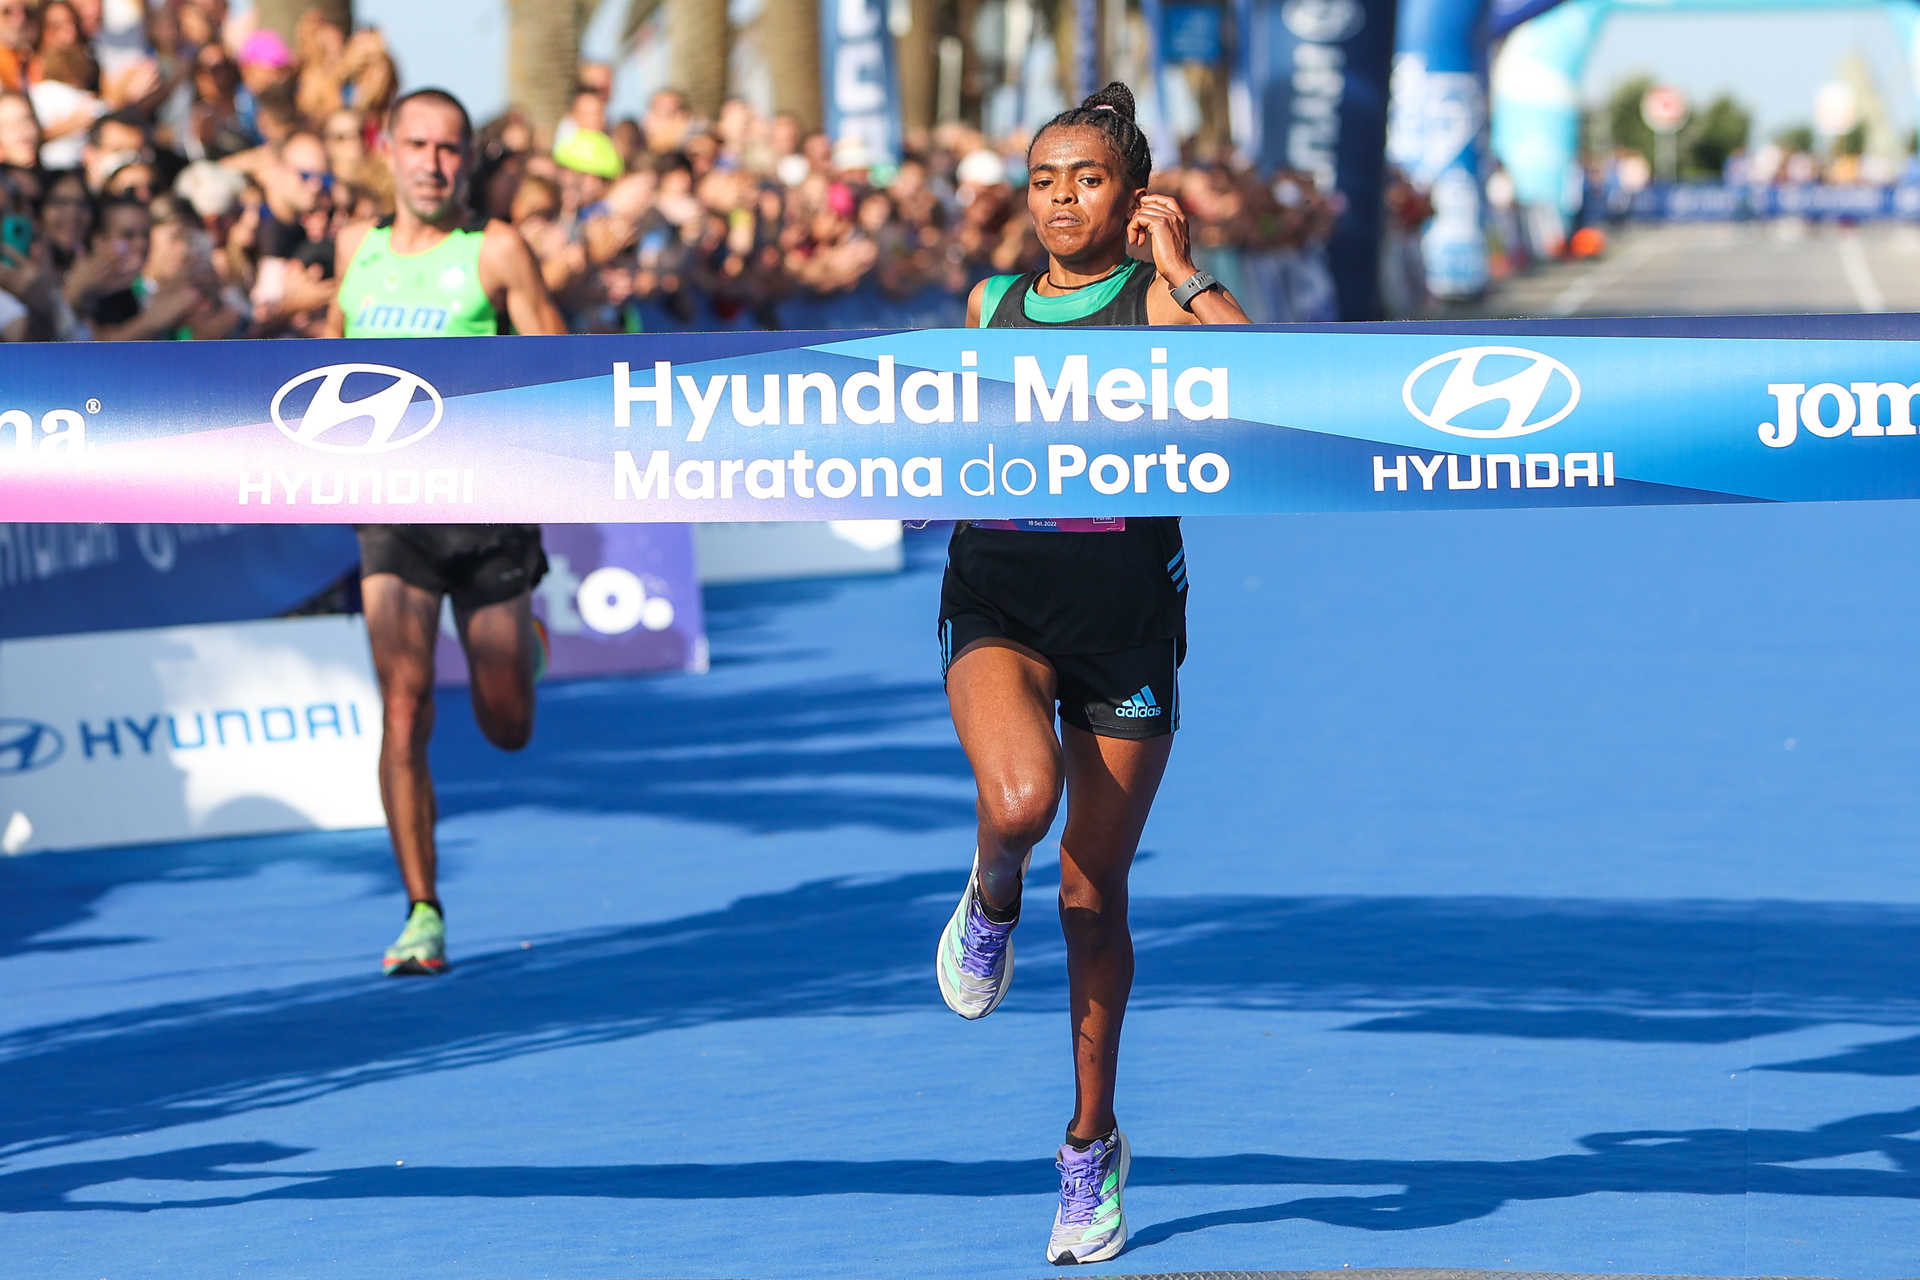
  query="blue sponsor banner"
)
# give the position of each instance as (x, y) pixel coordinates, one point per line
(861, 93)
(1193, 32)
(970, 424)
(1721, 202)
(1317, 73)
(1086, 19)
(1439, 115)
(62, 579)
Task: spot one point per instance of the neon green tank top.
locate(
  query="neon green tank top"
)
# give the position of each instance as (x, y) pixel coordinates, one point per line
(435, 294)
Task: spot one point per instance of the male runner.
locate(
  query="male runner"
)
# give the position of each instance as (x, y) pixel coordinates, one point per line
(434, 271)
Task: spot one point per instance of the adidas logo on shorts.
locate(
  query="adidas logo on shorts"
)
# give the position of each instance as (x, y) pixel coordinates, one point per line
(1141, 706)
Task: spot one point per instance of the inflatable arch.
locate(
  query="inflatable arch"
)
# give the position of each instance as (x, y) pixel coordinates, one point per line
(1439, 103)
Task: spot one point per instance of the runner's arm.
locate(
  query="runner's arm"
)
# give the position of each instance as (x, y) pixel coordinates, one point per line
(508, 265)
(1161, 224)
(344, 247)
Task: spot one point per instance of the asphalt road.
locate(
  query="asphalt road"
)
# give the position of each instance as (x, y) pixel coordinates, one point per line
(1727, 269)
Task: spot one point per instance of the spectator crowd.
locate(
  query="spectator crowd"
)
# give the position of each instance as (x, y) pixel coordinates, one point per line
(171, 170)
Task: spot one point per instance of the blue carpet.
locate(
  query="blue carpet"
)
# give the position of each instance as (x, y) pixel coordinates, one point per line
(1530, 891)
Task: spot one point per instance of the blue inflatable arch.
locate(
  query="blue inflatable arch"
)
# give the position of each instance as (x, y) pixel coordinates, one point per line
(1440, 103)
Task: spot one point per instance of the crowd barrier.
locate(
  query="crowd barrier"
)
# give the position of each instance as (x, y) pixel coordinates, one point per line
(58, 579)
(977, 424)
(1275, 287)
(1723, 202)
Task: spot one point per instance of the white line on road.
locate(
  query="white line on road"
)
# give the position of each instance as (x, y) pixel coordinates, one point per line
(1576, 295)
(1853, 264)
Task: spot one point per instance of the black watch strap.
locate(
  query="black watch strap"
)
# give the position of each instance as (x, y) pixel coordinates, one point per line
(1197, 283)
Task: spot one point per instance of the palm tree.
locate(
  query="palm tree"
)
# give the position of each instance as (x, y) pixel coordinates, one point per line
(1067, 36)
(284, 15)
(790, 39)
(702, 37)
(543, 57)
(919, 64)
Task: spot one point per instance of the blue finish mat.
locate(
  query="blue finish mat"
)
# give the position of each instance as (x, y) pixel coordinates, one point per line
(1530, 891)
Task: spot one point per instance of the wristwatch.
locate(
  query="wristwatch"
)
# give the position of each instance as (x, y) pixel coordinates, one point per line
(1197, 283)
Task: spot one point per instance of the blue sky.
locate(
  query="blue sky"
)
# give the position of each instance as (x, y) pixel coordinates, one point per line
(1773, 62)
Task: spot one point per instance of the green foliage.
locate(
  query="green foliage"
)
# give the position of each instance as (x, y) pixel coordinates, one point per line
(1713, 135)
(1705, 141)
(1623, 115)
(1795, 137)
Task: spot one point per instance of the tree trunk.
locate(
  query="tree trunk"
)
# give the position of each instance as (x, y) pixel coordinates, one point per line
(700, 38)
(974, 63)
(284, 15)
(919, 56)
(543, 60)
(1210, 88)
(1066, 51)
(790, 39)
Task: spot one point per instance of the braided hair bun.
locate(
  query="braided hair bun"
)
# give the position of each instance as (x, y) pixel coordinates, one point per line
(1111, 111)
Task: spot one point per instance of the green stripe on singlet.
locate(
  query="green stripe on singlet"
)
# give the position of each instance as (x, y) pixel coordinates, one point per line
(1063, 308)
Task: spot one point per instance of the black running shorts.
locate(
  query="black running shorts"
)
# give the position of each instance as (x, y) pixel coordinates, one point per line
(476, 564)
(1132, 693)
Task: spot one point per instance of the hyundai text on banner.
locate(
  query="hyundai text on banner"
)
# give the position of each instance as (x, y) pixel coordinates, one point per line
(178, 733)
(945, 424)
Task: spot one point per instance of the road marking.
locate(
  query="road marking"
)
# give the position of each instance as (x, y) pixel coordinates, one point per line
(1853, 264)
(1581, 291)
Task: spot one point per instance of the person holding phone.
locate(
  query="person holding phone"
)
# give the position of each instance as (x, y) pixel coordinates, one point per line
(435, 270)
(30, 303)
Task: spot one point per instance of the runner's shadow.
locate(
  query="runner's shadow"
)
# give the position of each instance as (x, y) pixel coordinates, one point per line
(1436, 1193)
(1432, 1193)
(1641, 971)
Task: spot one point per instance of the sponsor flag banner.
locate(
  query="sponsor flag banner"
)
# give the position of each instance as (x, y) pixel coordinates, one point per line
(617, 599)
(179, 733)
(943, 424)
(862, 93)
(1317, 73)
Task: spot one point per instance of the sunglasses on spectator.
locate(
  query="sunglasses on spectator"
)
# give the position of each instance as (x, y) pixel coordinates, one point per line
(320, 176)
(343, 135)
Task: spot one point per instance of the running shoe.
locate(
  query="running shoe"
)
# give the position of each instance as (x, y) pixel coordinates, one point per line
(974, 960)
(421, 948)
(1089, 1225)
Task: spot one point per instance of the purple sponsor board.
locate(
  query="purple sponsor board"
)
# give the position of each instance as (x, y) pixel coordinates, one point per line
(617, 599)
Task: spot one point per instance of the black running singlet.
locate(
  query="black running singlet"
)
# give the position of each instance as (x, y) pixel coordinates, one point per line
(1075, 592)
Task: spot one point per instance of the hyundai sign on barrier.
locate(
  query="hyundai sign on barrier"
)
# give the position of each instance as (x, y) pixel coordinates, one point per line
(177, 733)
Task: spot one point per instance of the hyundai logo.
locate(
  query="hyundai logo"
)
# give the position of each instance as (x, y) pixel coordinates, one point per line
(26, 745)
(1447, 394)
(385, 418)
(1323, 21)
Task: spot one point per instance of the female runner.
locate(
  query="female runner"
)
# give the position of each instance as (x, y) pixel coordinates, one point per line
(1088, 615)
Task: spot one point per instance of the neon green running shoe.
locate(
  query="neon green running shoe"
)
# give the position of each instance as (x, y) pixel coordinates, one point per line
(421, 949)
